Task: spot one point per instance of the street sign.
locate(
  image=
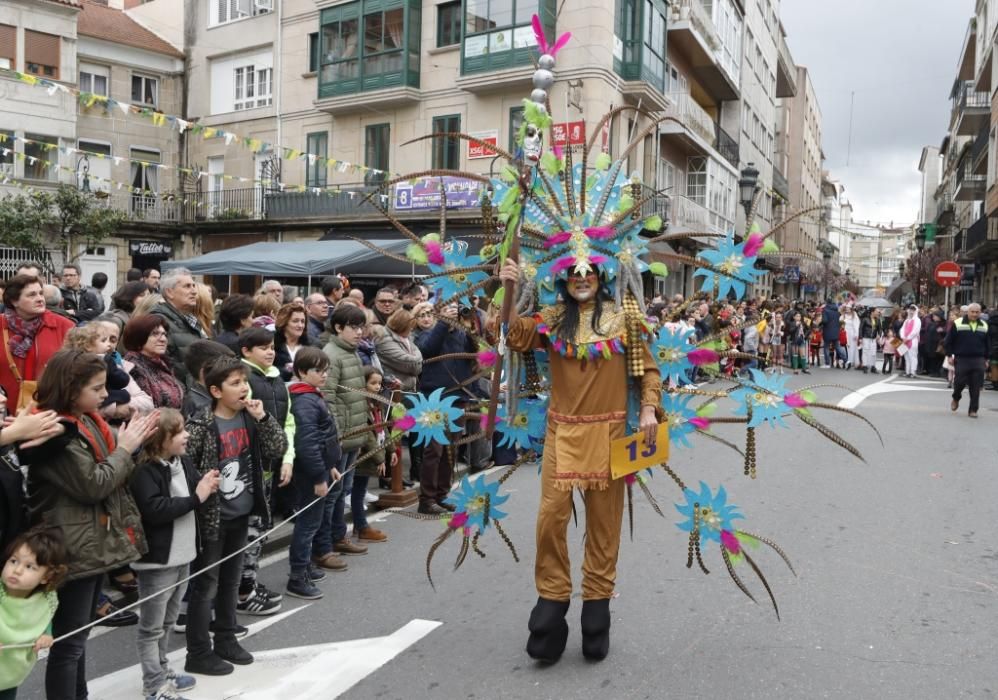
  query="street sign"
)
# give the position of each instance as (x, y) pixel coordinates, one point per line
(947, 274)
(424, 193)
(792, 273)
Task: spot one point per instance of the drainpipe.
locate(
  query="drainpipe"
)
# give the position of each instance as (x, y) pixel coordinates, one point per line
(278, 92)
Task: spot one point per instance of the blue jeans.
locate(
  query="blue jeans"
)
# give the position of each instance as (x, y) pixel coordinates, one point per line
(357, 494)
(830, 347)
(337, 525)
(156, 617)
(307, 524)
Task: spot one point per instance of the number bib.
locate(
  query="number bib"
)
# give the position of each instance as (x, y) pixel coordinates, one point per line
(630, 454)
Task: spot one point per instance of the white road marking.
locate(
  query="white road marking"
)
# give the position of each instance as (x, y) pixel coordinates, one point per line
(884, 386)
(315, 672)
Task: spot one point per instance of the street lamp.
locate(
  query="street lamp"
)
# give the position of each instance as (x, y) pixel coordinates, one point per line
(920, 236)
(83, 167)
(748, 185)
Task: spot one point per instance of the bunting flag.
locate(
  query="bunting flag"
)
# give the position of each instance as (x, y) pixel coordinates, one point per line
(159, 119)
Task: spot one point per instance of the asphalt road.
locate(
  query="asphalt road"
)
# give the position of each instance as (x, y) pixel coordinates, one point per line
(895, 594)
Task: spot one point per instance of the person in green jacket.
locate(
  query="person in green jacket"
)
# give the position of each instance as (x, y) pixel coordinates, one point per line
(34, 568)
(344, 393)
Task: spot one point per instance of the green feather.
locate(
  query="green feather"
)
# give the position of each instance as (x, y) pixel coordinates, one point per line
(591, 181)
(603, 161)
(770, 246)
(550, 164)
(416, 254)
(498, 297)
(803, 412)
(809, 396)
(707, 411)
(508, 174)
(659, 269)
(653, 223)
(626, 202)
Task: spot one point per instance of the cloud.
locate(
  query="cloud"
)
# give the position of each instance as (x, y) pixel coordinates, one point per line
(897, 60)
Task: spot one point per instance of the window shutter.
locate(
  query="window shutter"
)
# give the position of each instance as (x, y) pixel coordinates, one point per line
(8, 43)
(42, 49)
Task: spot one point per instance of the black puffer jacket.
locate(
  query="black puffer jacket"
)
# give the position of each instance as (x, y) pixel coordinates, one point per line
(150, 485)
(317, 443)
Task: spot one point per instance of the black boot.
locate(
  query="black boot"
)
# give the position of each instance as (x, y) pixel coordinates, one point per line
(548, 630)
(596, 629)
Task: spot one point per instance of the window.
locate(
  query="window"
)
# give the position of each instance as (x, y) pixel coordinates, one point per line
(497, 33)
(253, 87)
(8, 46)
(98, 166)
(376, 152)
(41, 54)
(316, 144)
(447, 151)
(94, 79)
(449, 23)
(515, 120)
(39, 151)
(145, 177)
(369, 45)
(223, 11)
(639, 52)
(6, 153)
(313, 52)
(145, 90)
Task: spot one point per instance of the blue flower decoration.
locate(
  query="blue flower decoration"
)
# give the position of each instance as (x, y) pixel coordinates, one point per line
(730, 258)
(765, 399)
(469, 498)
(677, 416)
(714, 513)
(434, 417)
(527, 425)
(669, 349)
(456, 257)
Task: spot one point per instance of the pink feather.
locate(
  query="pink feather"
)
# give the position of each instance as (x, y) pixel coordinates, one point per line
(560, 44)
(405, 423)
(542, 42)
(699, 422)
(600, 232)
(794, 401)
(630, 478)
(557, 239)
(434, 253)
(597, 259)
(458, 520)
(487, 358)
(702, 356)
(558, 151)
(753, 244)
(730, 542)
(562, 264)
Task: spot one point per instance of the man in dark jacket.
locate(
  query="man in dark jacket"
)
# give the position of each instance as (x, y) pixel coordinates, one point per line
(967, 348)
(442, 339)
(830, 326)
(183, 328)
(82, 303)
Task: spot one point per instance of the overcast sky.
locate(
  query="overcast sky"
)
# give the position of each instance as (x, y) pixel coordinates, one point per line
(900, 58)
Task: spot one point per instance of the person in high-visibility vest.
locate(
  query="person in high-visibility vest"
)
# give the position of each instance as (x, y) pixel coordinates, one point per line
(967, 348)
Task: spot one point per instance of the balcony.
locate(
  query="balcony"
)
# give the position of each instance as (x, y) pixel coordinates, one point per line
(780, 185)
(328, 203)
(726, 145)
(685, 215)
(786, 70)
(979, 152)
(982, 240)
(969, 187)
(699, 127)
(971, 109)
(692, 32)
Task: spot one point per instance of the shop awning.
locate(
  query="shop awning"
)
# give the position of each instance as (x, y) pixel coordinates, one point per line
(299, 259)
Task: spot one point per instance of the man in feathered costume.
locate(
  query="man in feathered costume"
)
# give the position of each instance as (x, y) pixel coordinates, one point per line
(588, 409)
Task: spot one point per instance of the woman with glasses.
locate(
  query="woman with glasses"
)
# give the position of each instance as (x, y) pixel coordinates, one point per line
(145, 338)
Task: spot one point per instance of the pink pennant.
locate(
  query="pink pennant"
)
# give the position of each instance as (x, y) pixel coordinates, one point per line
(730, 542)
(753, 244)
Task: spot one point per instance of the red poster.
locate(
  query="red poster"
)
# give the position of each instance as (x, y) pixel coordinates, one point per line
(477, 151)
(569, 133)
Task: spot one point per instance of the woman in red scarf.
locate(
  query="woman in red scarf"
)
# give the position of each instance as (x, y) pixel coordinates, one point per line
(145, 338)
(30, 335)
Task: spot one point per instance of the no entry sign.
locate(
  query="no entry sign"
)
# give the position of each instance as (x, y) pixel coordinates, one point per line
(947, 274)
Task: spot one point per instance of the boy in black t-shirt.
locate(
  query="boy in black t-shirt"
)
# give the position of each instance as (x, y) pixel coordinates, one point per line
(237, 437)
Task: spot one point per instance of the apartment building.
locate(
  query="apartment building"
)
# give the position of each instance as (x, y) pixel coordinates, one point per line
(801, 122)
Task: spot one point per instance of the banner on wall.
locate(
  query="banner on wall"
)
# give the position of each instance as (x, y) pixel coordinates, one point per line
(478, 151)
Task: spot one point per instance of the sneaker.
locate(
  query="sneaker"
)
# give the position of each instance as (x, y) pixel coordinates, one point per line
(167, 692)
(330, 561)
(232, 652)
(181, 681)
(239, 632)
(267, 593)
(181, 624)
(370, 497)
(257, 604)
(315, 574)
(345, 546)
(208, 665)
(303, 588)
(370, 534)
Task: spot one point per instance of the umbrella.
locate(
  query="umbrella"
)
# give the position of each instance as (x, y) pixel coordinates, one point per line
(875, 303)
